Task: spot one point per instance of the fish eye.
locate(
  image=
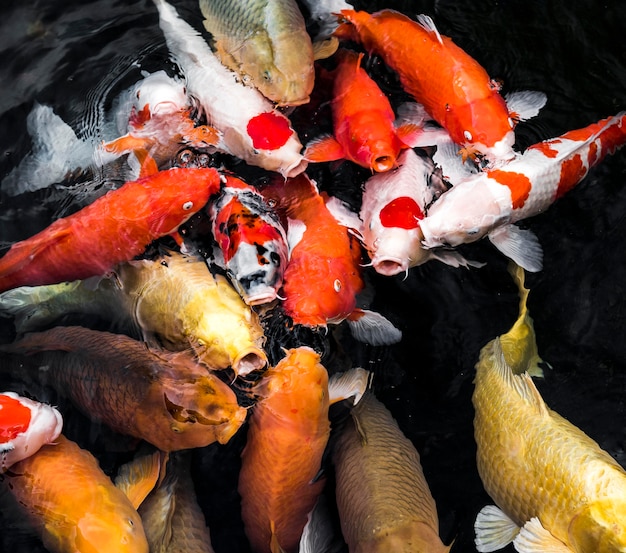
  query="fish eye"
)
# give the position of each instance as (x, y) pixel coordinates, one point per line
(272, 202)
(175, 429)
(187, 206)
(130, 522)
(467, 135)
(337, 285)
(267, 75)
(138, 94)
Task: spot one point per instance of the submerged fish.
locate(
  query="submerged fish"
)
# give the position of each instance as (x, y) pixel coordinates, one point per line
(251, 241)
(25, 426)
(454, 88)
(114, 228)
(164, 398)
(544, 474)
(489, 202)
(383, 498)
(252, 129)
(73, 504)
(266, 43)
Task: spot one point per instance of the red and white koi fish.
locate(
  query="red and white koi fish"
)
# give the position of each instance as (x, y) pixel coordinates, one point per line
(453, 87)
(25, 426)
(251, 239)
(487, 203)
(364, 130)
(324, 256)
(252, 129)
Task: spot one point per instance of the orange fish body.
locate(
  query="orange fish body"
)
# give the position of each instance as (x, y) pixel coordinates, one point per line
(453, 87)
(326, 258)
(73, 504)
(363, 120)
(115, 228)
(288, 432)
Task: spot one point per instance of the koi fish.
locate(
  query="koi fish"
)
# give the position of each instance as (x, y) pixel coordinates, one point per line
(155, 119)
(252, 129)
(554, 487)
(288, 432)
(323, 256)
(454, 88)
(363, 120)
(164, 398)
(266, 43)
(252, 243)
(489, 202)
(25, 426)
(400, 515)
(114, 228)
(73, 504)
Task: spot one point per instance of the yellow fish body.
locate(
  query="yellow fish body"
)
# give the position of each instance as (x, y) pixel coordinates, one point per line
(546, 476)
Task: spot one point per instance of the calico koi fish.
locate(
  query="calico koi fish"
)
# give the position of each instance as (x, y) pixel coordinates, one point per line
(554, 487)
(164, 398)
(384, 501)
(73, 504)
(252, 243)
(323, 256)
(25, 426)
(114, 228)
(489, 202)
(454, 88)
(252, 129)
(363, 119)
(288, 432)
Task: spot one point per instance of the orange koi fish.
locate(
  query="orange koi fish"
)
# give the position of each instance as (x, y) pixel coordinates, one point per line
(25, 426)
(164, 398)
(453, 87)
(73, 504)
(323, 256)
(114, 228)
(252, 244)
(363, 121)
(489, 202)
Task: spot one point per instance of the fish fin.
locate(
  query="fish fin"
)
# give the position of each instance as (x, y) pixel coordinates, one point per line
(372, 328)
(202, 136)
(324, 148)
(139, 477)
(454, 259)
(124, 144)
(428, 24)
(295, 231)
(147, 164)
(344, 215)
(520, 245)
(349, 384)
(494, 529)
(534, 538)
(274, 545)
(323, 49)
(525, 104)
(453, 167)
(318, 534)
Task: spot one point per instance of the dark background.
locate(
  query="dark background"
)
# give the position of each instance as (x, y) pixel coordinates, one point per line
(76, 56)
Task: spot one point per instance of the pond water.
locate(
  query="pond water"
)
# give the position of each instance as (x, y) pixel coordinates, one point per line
(76, 56)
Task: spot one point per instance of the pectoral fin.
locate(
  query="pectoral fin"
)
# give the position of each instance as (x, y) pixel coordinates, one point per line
(349, 384)
(325, 148)
(520, 245)
(534, 538)
(494, 530)
(372, 328)
(139, 477)
(525, 104)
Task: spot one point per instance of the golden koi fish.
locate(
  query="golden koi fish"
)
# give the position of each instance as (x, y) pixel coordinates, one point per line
(555, 489)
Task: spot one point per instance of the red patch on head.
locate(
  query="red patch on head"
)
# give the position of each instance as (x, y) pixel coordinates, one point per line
(572, 172)
(140, 118)
(403, 212)
(519, 184)
(14, 418)
(269, 131)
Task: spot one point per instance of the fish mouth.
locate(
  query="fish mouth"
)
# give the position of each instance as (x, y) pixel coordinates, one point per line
(294, 169)
(251, 359)
(390, 266)
(261, 298)
(383, 163)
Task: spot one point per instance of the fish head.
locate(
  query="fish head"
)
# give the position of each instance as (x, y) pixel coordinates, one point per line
(599, 526)
(393, 250)
(161, 93)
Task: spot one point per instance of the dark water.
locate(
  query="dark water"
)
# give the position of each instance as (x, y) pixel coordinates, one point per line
(66, 54)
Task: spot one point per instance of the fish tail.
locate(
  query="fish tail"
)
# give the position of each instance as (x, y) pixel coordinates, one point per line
(274, 545)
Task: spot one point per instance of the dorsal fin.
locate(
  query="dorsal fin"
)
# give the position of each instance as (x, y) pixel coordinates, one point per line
(428, 24)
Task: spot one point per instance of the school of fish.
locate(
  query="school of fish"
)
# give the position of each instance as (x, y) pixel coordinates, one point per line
(193, 302)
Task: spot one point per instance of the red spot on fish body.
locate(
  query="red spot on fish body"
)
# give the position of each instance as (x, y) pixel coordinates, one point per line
(572, 172)
(593, 154)
(269, 131)
(14, 418)
(402, 212)
(547, 148)
(519, 184)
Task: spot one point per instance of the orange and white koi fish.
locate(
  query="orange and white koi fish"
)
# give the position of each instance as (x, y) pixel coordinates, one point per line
(489, 202)
(453, 87)
(252, 243)
(25, 426)
(363, 119)
(252, 128)
(73, 504)
(324, 256)
(115, 228)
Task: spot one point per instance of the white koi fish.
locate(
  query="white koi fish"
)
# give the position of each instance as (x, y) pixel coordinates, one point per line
(488, 203)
